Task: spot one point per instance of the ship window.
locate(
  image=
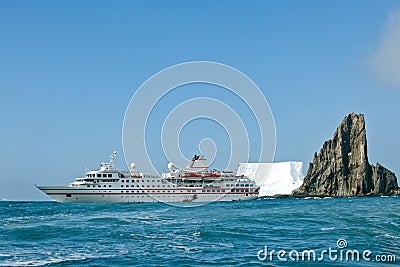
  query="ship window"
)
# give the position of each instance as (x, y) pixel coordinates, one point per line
(104, 174)
(88, 186)
(122, 180)
(213, 190)
(104, 185)
(99, 186)
(68, 195)
(122, 185)
(98, 175)
(110, 175)
(188, 190)
(109, 186)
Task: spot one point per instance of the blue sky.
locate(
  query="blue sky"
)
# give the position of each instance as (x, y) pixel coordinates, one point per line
(69, 68)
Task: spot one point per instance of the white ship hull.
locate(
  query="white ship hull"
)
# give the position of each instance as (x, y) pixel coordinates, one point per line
(66, 194)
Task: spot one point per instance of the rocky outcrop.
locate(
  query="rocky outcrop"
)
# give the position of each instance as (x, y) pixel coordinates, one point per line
(341, 168)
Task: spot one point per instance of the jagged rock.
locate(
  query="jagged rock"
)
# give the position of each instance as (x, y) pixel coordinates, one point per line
(342, 169)
(384, 180)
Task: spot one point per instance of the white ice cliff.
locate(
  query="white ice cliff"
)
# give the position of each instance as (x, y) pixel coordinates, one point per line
(274, 178)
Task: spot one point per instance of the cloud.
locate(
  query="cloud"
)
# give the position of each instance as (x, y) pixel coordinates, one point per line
(385, 61)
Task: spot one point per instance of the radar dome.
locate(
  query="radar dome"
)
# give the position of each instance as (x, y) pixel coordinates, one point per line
(132, 166)
(170, 165)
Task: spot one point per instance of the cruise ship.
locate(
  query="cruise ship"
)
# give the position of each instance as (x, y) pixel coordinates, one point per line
(195, 183)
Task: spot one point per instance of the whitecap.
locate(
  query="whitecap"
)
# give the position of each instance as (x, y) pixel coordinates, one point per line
(196, 233)
(181, 247)
(226, 245)
(391, 236)
(327, 228)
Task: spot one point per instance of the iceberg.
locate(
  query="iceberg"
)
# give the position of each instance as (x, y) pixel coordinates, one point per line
(274, 178)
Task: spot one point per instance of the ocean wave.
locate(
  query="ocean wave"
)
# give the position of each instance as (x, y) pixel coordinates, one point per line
(327, 228)
(185, 248)
(219, 234)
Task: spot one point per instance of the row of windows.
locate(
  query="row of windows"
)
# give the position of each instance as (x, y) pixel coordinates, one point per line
(104, 181)
(100, 175)
(210, 190)
(158, 191)
(138, 185)
(169, 191)
(241, 190)
(213, 190)
(238, 185)
(173, 191)
(194, 191)
(137, 181)
(228, 185)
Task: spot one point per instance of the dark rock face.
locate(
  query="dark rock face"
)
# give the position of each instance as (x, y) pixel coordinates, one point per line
(384, 180)
(342, 169)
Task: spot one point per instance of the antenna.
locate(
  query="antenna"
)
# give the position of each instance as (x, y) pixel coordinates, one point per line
(112, 160)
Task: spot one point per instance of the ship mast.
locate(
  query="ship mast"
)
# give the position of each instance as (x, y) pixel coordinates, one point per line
(111, 164)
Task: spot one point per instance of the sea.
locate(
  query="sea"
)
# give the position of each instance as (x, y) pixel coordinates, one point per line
(268, 232)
